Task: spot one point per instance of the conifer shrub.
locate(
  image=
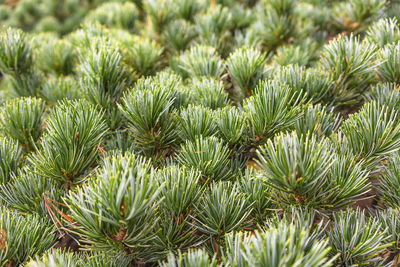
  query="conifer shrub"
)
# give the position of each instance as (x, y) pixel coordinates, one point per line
(71, 142)
(22, 120)
(199, 133)
(20, 241)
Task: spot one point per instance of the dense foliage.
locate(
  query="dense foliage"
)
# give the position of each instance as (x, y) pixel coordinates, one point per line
(199, 133)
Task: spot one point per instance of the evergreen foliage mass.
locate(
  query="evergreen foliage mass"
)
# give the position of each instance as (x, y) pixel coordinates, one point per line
(199, 133)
